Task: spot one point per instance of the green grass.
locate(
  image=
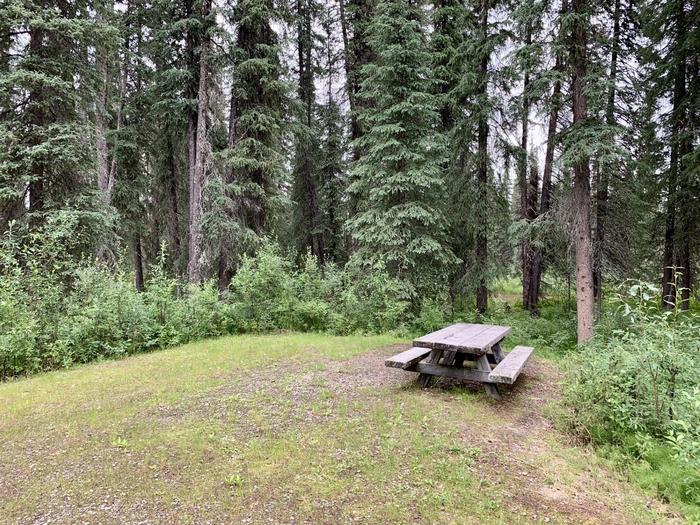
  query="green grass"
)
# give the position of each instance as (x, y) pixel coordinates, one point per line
(282, 428)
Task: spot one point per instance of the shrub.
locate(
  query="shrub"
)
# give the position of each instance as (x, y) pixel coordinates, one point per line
(18, 349)
(104, 317)
(636, 388)
(262, 293)
(314, 291)
(431, 316)
(370, 302)
(55, 312)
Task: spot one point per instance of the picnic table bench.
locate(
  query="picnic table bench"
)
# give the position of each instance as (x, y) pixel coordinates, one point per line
(467, 352)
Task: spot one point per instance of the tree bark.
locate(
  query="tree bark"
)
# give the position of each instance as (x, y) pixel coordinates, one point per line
(100, 133)
(195, 268)
(582, 183)
(482, 168)
(176, 241)
(603, 185)
(686, 208)
(313, 234)
(349, 79)
(525, 250)
(669, 289)
(225, 267)
(137, 254)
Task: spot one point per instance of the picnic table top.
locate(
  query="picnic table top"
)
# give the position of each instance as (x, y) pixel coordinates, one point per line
(464, 337)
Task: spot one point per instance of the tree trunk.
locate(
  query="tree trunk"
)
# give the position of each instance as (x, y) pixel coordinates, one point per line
(603, 181)
(690, 215)
(482, 169)
(669, 289)
(225, 267)
(176, 242)
(525, 250)
(195, 267)
(137, 254)
(100, 134)
(313, 234)
(686, 207)
(582, 183)
(349, 76)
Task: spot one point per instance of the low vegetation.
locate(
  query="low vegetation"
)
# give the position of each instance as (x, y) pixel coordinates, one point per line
(293, 428)
(635, 394)
(55, 313)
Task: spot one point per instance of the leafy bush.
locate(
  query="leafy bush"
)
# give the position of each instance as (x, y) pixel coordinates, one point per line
(431, 316)
(370, 302)
(105, 317)
(636, 387)
(55, 313)
(262, 292)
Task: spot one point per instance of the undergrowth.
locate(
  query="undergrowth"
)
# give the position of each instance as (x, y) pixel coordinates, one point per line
(634, 394)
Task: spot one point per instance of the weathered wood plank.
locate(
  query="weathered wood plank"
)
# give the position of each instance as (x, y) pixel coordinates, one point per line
(508, 370)
(407, 359)
(444, 334)
(464, 337)
(487, 338)
(466, 374)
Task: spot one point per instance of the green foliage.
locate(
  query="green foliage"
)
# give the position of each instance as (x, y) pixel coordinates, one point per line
(399, 226)
(268, 294)
(636, 388)
(262, 292)
(55, 313)
(431, 316)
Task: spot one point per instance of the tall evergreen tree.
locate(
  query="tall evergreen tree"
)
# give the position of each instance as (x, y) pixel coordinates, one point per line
(308, 227)
(332, 166)
(48, 160)
(578, 156)
(673, 38)
(254, 158)
(399, 224)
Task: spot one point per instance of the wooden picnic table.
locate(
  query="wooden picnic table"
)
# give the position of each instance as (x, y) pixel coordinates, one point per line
(464, 351)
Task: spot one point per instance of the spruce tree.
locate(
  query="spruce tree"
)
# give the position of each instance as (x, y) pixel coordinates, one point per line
(307, 226)
(397, 181)
(253, 160)
(332, 164)
(48, 88)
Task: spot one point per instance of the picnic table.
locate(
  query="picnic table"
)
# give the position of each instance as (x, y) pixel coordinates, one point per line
(467, 352)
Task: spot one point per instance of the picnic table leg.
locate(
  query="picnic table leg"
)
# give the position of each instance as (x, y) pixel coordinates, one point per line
(424, 379)
(497, 352)
(448, 358)
(482, 363)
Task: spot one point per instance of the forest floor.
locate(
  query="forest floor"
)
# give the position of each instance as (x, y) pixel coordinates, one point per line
(294, 428)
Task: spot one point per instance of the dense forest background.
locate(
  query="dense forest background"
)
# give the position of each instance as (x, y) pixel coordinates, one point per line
(441, 145)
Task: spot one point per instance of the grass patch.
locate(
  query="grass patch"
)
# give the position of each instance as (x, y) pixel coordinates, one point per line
(252, 428)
